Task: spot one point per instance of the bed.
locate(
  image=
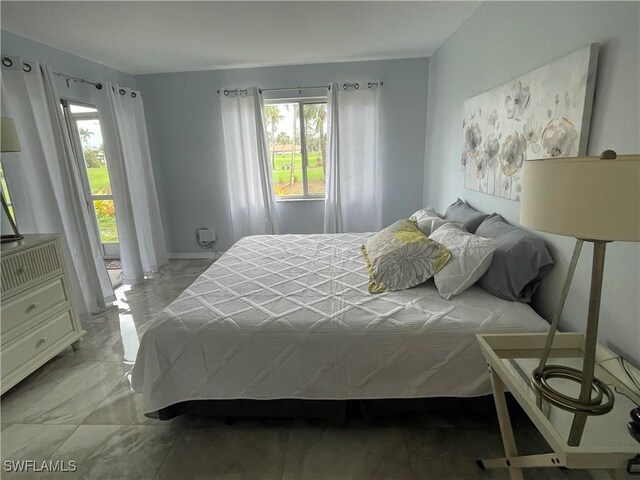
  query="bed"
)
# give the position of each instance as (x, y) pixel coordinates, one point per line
(289, 318)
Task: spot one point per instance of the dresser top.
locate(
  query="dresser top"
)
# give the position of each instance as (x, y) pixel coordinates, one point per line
(29, 240)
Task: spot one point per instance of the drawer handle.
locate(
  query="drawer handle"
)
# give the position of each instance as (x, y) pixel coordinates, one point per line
(44, 339)
(32, 307)
(21, 270)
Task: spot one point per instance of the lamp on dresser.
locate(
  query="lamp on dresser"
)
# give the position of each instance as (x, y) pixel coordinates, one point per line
(595, 200)
(9, 144)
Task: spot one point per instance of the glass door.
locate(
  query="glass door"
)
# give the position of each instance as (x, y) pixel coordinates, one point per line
(86, 137)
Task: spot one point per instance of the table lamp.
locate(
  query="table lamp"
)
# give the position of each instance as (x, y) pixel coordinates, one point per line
(9, 143)
(596, 200)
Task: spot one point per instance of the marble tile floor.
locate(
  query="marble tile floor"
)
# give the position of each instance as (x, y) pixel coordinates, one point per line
(79, 407)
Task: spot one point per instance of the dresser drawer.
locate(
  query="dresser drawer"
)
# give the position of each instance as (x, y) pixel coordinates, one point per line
(27, 266)
(32, 344)
(21, 313)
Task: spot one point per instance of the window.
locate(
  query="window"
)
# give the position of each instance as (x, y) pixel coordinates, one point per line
(297, 133)
(86, 136)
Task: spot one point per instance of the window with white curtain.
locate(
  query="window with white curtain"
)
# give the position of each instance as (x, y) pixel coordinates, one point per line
(297, 137)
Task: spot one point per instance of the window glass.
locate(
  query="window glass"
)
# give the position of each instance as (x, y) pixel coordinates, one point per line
(297, 148)
(93, 153)
(316, 142)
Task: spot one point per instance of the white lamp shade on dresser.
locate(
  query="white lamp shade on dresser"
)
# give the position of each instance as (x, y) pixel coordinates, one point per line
(589, 198)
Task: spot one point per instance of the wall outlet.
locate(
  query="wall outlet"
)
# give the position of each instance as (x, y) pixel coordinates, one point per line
(207, 235)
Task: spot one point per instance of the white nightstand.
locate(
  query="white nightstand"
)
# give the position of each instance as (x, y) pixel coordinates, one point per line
(37, 321)
(606, 443)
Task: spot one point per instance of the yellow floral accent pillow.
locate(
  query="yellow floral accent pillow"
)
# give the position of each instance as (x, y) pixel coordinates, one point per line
(401, 256)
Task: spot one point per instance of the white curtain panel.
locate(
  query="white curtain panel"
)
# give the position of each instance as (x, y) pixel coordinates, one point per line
(354, 201)
(251, 198)
(140, 232)
(44, 179)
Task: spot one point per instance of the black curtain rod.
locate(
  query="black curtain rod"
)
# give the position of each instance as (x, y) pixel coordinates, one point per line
(281, 89)
(79, 80)
(26, 67)
(308, 87)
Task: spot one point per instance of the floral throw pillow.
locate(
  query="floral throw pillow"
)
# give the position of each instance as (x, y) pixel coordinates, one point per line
(401, 256)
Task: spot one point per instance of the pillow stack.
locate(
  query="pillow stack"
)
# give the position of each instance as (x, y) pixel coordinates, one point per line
(463, 248)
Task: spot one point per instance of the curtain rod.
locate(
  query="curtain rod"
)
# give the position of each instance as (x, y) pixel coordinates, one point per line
(307, 87)
(79, 80)
(344, 86)
(26, 67)
(280, 89)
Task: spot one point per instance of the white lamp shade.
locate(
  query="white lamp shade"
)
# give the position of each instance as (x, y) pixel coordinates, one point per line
(8, 136)
(583, 197)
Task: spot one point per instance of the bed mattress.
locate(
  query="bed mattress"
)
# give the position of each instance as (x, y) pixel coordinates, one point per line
(290, 316)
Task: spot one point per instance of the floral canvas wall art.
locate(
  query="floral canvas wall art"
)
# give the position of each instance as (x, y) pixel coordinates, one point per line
(544, 113)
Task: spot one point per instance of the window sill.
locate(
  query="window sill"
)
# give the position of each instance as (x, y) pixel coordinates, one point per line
(300, 199)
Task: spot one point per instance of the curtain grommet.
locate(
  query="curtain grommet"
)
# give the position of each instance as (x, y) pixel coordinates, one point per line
(26, 67)
(122, 91)
(7, 62)
(133, 95)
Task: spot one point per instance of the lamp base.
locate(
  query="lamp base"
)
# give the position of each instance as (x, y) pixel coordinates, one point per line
(16, 234)
(11, 238)
(601, 397)
(595, 398)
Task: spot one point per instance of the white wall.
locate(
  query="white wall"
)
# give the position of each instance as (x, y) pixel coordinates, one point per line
(501, 41)
(187, 144)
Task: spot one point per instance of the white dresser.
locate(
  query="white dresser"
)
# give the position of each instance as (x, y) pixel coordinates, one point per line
(37, 320)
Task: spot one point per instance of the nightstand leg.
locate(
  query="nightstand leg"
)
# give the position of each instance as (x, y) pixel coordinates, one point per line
(508, 439)
(77, 345)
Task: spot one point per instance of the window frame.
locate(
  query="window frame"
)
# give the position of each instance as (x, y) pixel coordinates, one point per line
(300, 101)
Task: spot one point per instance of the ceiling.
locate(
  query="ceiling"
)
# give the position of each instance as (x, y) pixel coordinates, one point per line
(151, 37)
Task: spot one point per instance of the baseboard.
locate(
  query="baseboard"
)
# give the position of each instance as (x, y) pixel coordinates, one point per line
(193, 256)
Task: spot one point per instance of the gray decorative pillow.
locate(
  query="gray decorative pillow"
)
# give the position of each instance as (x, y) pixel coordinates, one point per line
(401, 257)
(520, 261)
(469, 217)
(428, 220)
(470, 258)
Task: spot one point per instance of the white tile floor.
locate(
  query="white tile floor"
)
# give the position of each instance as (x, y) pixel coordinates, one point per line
(80, 407)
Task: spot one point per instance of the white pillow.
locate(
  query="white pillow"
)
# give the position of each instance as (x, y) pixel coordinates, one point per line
(428, 220)
(471, 256)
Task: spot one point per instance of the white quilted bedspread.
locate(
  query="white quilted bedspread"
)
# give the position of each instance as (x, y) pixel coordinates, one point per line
(290, 316)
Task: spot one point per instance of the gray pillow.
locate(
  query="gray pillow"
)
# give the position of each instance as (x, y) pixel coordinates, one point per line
(520, 261)
(469, 217)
